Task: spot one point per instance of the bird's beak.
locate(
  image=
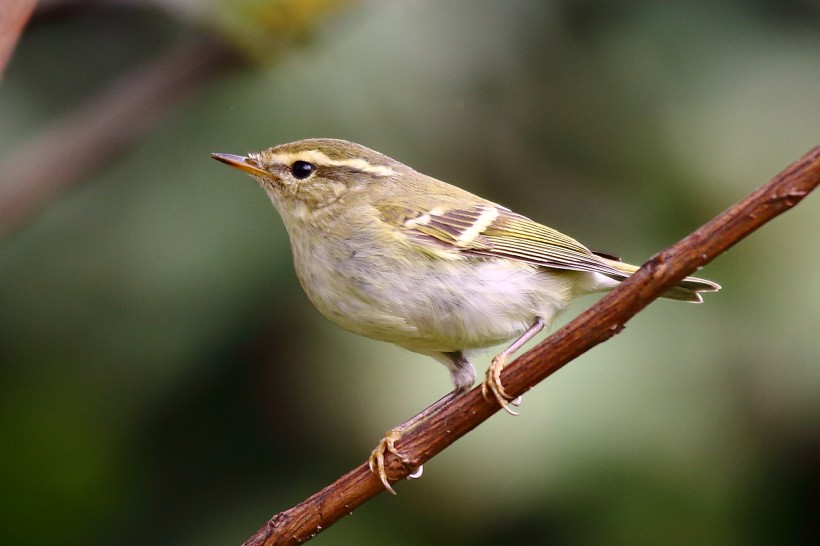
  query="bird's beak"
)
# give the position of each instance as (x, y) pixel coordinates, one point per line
(246, 164)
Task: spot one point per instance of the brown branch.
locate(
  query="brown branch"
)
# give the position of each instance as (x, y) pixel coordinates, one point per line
(13, 18)
(106, 124)
(602, 321)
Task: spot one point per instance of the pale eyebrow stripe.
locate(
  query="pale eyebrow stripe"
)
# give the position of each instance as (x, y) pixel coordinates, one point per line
(319, 158)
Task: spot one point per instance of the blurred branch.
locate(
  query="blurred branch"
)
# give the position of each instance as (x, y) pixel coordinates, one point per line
(599, 323)
(13, 18)
(61, 10)
(107, 123)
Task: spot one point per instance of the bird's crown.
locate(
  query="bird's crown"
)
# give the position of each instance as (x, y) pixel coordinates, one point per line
(326, 155)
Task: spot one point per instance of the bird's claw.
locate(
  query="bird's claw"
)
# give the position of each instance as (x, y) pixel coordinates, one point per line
(376, 460)
(492, 384)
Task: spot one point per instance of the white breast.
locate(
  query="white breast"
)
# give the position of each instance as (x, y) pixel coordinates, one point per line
(431, 306)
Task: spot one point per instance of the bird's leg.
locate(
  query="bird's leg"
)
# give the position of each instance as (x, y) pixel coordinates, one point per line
(493, 381)
(463, 376)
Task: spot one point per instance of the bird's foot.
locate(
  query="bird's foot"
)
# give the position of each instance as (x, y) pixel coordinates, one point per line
(385, 446)
(388, 443)
(492, 384)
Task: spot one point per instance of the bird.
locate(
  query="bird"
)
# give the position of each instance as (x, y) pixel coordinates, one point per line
(395, 255)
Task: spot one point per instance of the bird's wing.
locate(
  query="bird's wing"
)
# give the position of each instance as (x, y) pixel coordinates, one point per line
(490, 230)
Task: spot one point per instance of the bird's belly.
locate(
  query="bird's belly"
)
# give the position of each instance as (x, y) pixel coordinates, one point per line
(443, 307)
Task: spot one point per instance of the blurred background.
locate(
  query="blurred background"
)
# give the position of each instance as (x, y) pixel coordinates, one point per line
(164, 381)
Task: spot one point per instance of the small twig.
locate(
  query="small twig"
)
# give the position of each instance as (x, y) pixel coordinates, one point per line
(599, 323)
(106, 124)
(13, 18)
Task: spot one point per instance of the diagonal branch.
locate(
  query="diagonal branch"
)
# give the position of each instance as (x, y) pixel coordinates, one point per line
(599, 323)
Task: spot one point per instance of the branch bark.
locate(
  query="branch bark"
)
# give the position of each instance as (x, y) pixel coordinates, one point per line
(599, 323)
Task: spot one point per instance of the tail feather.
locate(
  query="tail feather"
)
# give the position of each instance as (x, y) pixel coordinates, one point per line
(688, 289)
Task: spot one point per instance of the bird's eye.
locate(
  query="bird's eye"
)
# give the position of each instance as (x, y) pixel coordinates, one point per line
(301, 169)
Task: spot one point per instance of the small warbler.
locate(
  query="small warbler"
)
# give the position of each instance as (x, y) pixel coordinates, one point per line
(395, 255)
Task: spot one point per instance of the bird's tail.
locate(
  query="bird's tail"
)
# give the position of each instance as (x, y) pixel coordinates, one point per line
(688, 289)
